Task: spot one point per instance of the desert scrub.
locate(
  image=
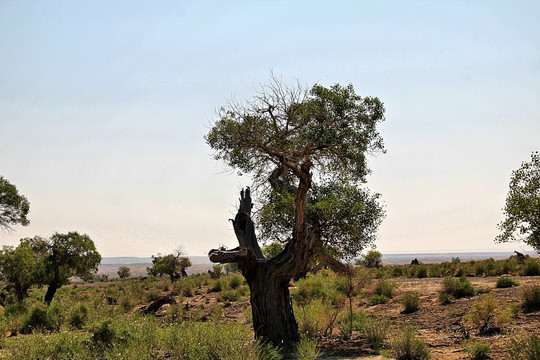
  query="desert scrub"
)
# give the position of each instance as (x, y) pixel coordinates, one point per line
(385, 288)
(478, 350)
(406, 346)
(531, 298)
(458, 287)
(71, 345)
(307, 349)
(42, 318)
(78, 316)
(235, 281)
(317, 317)
(374, 331)
(506, 282)
(410, 301)
(230, 295)
(525, 347)
(378, 299)
(487, 315)
(531, 267)
(196, 340)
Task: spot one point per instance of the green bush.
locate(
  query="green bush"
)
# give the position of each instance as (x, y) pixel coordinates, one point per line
(531, 298)
(406, 346)
(41, 317)
(307, 349)
(445, 298)
(375, 332)
(422, 272)
(410, 301)
(104, 335)
(525, 347)
(487, 315)
(385, 288)
(458, 287)
(506, 282)
(378, 299)
(78, 316)
(235, 281)
(230, 295)
(478, 350)
(531, 267)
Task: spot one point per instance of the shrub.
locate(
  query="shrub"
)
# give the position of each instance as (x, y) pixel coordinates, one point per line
(478, 350)
(406, 346)
(531, 267)
(41, 317)
(487, 316)
(235, 281)
(531, 298)
(410, 301)
(445, 298)
(525, 347)
(230, 295)
(421, 272)
(375, 332)
(123, 272)
(317, 317)
(78, 316)
(385, 288)
(217, 286)
(373, 259)
(458, 287)
(307, 349)
(378, 299)
(104, 335)
(506, 282)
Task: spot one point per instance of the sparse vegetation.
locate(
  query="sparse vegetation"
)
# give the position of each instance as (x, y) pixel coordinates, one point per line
(506, 282)
(406, 346)
(478, 350)
(525, 347)
(410, 301)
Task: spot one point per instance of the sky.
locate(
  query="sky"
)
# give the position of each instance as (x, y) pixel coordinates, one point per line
(104, 106)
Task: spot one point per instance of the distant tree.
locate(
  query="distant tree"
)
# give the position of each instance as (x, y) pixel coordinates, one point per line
(19, 267)
(14, 207)
(124, 272)
(306, 150)
(63, 256)
(173, 265)
(522, 208)
(373, 259)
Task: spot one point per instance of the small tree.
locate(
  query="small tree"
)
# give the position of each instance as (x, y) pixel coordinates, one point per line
(522, 208)
(14, 207)
(123, 272)
(19, 268)
(173, 265)
(63, 256)
(373, 259)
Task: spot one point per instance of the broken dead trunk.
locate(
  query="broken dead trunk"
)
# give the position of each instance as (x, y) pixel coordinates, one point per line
(271, 306)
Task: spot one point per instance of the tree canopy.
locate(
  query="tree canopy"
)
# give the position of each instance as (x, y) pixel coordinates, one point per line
(522, 207)
(173, 265)
(14, 207)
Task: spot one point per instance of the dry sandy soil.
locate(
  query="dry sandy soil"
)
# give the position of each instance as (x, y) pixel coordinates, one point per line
(437, 324)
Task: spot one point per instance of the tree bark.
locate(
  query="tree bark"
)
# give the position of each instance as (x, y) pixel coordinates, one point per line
(51, 290)
(271, 306)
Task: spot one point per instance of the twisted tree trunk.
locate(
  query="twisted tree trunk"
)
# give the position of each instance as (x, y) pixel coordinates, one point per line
(271, 306)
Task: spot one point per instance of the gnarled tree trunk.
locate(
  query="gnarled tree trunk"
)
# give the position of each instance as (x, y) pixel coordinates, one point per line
(271, 306)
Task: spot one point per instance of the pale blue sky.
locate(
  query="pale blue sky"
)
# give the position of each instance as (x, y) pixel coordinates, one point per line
(104, 105)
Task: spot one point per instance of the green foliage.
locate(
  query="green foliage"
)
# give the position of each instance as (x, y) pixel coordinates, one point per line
(525, 347)
(375, 332)
(19, 266)
(458, 287)
(478, 350)
(230, 295)
(378, 299)
(78, 316)
(373, 258)
(531, 298)
(316, 317)
(173, 265)
(385, 288)
(104, 335)
(272, 250)
(506, 282)
(235, 281)
(522, 208)
(406, 346)
(410, 301)
(307, 349)
(14, 207)
(486, 315)
(123, 272)
(531, 267)
(41, 317)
